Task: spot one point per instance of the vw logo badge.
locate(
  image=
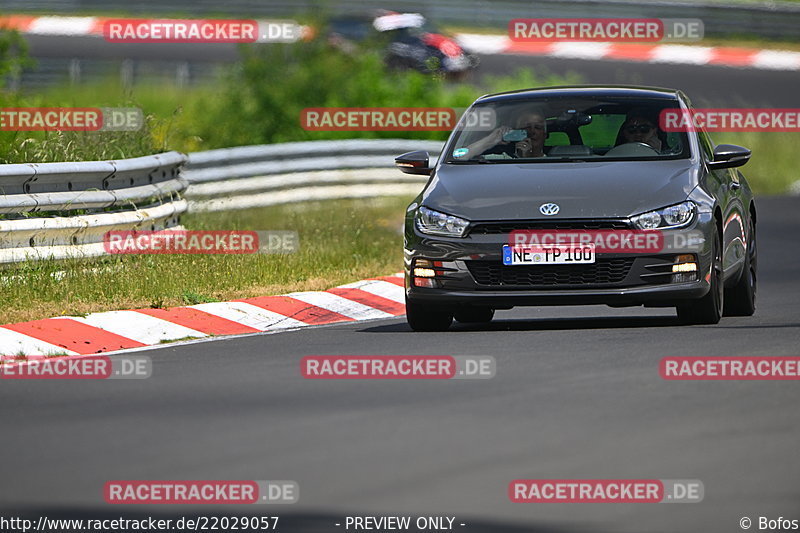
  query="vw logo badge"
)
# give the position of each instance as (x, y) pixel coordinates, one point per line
(549, 209)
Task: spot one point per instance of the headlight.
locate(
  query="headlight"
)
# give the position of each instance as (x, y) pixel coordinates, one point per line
(670, 217)
(436, 223)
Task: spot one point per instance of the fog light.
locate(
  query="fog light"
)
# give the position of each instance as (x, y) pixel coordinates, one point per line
(424, 272)
(685, 263)
(684, 269)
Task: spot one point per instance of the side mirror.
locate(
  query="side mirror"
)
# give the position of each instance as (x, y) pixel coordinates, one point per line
(414, 163)
(729, 156)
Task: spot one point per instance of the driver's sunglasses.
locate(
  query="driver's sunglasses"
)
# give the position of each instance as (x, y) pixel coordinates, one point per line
(640, 128)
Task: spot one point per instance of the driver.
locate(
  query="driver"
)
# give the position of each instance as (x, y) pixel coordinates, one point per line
(532, 145)
(640, 127)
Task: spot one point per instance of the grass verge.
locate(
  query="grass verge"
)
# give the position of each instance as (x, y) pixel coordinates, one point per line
(340, 241)
(771, 169)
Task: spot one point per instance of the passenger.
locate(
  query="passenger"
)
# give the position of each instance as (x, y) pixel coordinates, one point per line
(532, 145)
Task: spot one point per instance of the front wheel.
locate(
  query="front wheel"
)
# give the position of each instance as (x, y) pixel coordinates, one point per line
(708, 309)
(428, 317)
(740, 300)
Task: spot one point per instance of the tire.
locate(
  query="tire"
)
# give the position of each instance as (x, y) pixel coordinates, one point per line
(428, 317)
(708, 309)
(740, 300)
(474, 315)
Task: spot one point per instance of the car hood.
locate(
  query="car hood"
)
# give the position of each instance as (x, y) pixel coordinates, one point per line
(607, 189)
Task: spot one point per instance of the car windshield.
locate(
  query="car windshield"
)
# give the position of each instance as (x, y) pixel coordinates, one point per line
(566, 129)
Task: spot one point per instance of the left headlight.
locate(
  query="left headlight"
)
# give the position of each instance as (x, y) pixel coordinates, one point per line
(674, 216)
(435, 223)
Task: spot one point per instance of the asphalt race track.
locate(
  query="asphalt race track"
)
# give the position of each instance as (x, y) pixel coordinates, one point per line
(577, 395)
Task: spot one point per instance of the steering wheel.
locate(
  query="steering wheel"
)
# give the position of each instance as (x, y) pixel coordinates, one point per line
(632, 149)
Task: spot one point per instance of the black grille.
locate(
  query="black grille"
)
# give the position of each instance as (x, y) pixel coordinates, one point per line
(496, 274)
(493, 228)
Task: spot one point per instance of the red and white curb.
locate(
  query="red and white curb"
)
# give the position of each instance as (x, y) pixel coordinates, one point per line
(120, 330)
(648, 53)
(55, 25)
(501, 44)
(70, 26)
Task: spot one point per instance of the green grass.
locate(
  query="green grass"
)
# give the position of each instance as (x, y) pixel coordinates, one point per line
(340, 241)
(240, 108)
(772, 168)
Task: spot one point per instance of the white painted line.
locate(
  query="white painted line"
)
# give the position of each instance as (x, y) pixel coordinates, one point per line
(483, 44)
(249, 315)
(338, 304)
(62, 25)
(381, 288)
(137, 326)
(13, 343)
(581, 50)
(777, 60)
(675, 53)
(387, 290)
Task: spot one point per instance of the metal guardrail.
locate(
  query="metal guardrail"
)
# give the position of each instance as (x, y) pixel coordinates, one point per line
(257, 176)
(88, 199)
(83, 201)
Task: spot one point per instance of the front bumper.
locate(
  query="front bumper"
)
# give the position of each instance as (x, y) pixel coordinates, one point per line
(657, 296)
(472, 273)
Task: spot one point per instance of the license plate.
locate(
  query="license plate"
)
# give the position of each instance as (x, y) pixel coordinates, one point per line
(548, 255)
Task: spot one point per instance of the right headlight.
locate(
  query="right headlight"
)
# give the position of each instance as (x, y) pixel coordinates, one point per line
(435, 223)
(674, 216)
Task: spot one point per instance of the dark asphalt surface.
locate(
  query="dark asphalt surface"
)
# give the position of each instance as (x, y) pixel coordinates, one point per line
(577, 395)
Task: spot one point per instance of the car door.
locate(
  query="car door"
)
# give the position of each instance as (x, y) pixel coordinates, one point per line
(725, 185)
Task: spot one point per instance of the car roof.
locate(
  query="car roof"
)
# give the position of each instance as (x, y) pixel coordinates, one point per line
(583, 91)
